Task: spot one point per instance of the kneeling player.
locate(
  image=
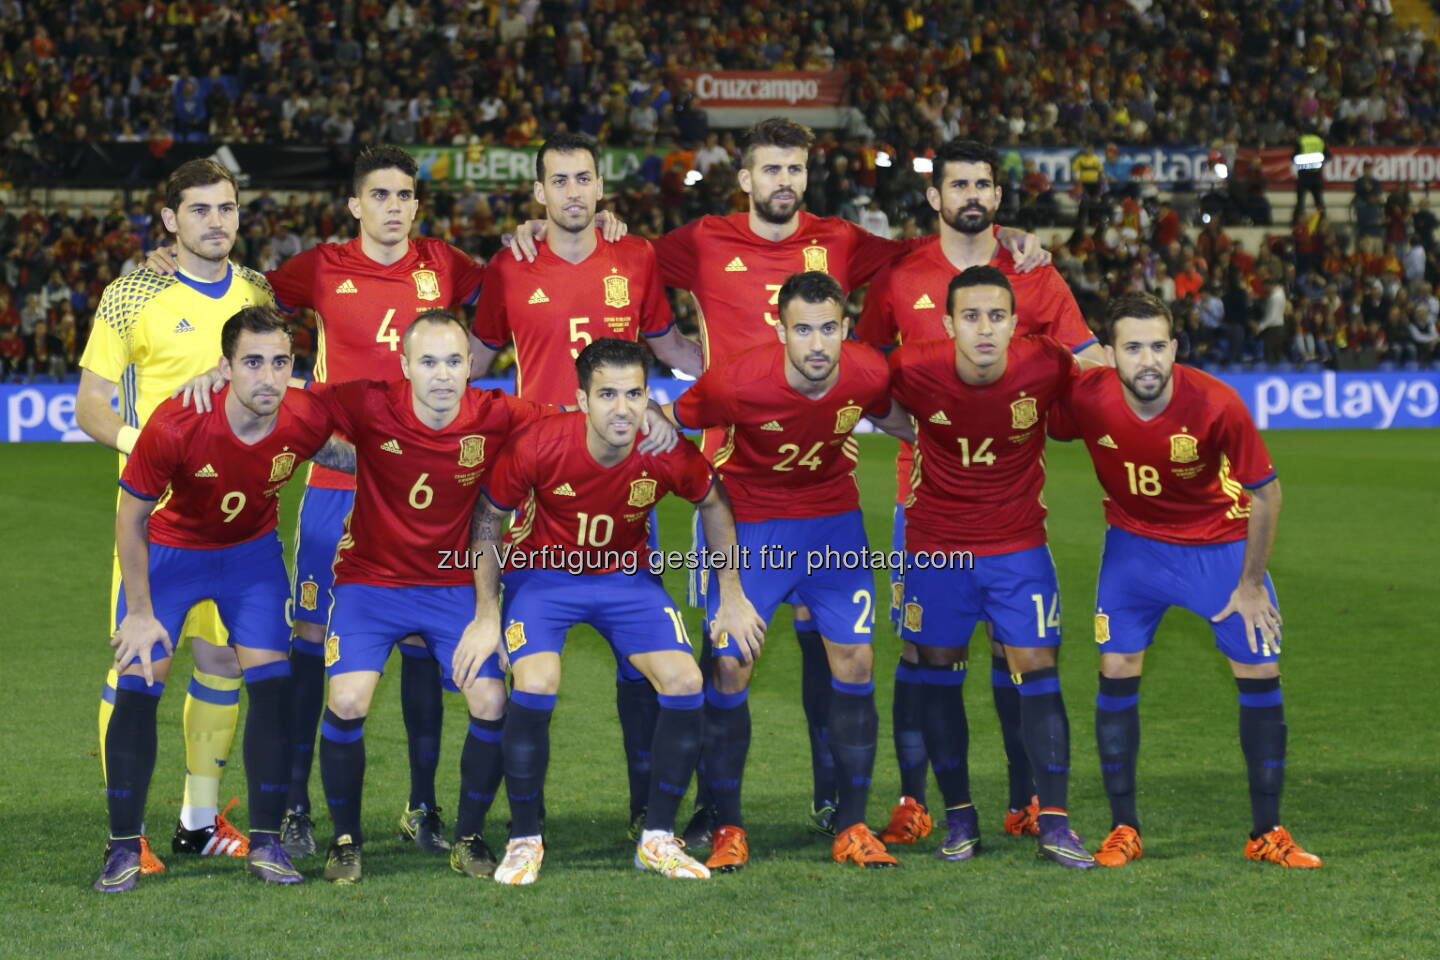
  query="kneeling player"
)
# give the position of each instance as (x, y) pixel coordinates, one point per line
(789, 466)
(197, 522)
(1193, 503)
(588, 492)
(975, 543)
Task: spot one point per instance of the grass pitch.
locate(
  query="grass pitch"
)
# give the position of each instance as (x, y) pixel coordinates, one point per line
(1354, 566)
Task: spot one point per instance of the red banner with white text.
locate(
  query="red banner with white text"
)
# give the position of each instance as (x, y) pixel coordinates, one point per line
(1412, 165)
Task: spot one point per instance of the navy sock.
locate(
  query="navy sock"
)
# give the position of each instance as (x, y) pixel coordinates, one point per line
(703, 796)
(1007, 709)
(679, 726)
(482, 764)
(815, 695)
(1046, 730)
(907, 728)
(527, 757)
(1262, 739)
(854, 726)
(130, 756)
(424, 712)
(267, 743)
(636, 703)
(1117, 736)
(947, 730)
(307, 701)
(727, 742)
(342, 771)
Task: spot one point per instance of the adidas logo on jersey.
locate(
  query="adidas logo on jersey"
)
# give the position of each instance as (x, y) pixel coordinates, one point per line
(924, 303)
(939, 417)
(1105, 441)
(184, 326)
(772, 425)
(538, 296)
(347, 287)
(736, 266)
(206, 471)
(564, 490)
(391, 446)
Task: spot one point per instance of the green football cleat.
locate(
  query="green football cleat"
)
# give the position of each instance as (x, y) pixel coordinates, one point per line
(472, 857)
(297, 833)
(637, 826)
(424, 828)
(822, 820)
(342, 863)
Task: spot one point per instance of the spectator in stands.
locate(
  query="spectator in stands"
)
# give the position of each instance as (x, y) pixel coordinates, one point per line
(1270, 330)
(44, 354)
(1423, 333)
(1188, 280)
(1237, 315)
(12, 354)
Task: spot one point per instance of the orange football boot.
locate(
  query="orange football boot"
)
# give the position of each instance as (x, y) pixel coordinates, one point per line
(909, 821)
(856, 844)
(1277, 846)
(149, 863)
(1120, 847)
(1024, 822)
(729, 850)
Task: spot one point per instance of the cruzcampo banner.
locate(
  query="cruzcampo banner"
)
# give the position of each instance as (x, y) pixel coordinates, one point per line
(507, 166)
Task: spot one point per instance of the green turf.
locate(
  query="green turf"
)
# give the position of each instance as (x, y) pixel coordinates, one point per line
(1355, 568)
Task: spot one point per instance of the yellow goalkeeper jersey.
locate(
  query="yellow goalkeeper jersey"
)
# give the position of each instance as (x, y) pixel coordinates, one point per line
(153, 332)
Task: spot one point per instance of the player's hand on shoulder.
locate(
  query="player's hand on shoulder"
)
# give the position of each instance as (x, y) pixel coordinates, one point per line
(162, 260)
(479, 640)
(523, 242)
(612, 228)
(658, 434)
(197, 389)
(1262, 620)
(737, 621)
(1026, 250)
(137, 635)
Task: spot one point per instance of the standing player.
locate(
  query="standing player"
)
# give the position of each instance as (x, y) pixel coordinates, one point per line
(576, 290)
(979, 401)
(788, 410)
(906, 302)
(1193, 503)
(197, 522)
(153, 333)
(588, 493)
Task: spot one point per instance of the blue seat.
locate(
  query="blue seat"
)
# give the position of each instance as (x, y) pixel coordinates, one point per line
(1411, 366)
(1260, 366)
(1313, 366)
(1284, 366)
(1386, 366)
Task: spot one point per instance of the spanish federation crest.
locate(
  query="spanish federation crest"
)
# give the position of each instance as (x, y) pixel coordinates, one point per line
(515, 636)
(617, 291)
(846, 418)
(642, 493)
(332, 650)
(1023, 414)
(472, 450)
(913, 613)
(816, 259)
(281, 466)
(1102, 628)
(427, 285)
(1183, 448)
(309, 595)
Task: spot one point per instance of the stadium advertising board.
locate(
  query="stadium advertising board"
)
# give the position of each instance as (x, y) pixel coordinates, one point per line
(1343, 165)
(781, 89)
(507, 166)
(1166, 165)
(1372, 401)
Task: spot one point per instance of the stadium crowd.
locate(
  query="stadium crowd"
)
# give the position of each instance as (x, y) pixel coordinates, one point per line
(502, 73)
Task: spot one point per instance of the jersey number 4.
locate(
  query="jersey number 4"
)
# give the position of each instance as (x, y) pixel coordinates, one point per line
(387, 333)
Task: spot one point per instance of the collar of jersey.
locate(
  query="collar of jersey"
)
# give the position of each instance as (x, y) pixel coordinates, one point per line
(214, 290)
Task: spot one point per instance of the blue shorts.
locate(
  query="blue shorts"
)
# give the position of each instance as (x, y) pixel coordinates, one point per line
(367, 621)
(631, 611)
(1141, 578)
(897, 574)
(1016, 592)
(322, 524)
(247, 582)
(840, 594)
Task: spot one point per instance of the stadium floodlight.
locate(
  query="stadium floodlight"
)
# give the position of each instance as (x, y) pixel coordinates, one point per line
(923, 164)
(882, 159)
(693, 177)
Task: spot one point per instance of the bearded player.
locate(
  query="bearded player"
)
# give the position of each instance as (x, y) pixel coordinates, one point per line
(905, 303)
(1192, 503)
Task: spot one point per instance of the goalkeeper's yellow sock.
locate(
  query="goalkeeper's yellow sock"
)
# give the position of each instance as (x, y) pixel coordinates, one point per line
(107, 707)
(212, 709)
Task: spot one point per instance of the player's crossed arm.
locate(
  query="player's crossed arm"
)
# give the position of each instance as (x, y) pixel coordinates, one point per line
(140, 630)
(481, 637)
(1250, 599)
(898, 422)
(337, 454)
(736, 617)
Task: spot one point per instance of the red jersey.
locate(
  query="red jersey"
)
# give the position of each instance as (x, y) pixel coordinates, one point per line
(579, 515)
(553, 308)
(215, 490)
(907, 302)
(364, 307)
(415, 486)
(1180, 477)
(786, 454)
(980, 470)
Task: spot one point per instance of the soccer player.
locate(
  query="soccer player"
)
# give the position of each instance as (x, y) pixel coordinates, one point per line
(789, 409)
(152, 334)
(578, 289)
(979, 400)
(1192, 503)
(906, 302)
(196, 522)
(579, 555)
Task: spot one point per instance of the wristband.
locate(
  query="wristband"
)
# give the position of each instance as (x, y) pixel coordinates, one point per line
(125, 439)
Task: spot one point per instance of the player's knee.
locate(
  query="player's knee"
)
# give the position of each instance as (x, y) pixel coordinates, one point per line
(850, 662)
(251, 657)
(216, 661)
(310, 632)
(485, 698)
(1118, 666)
(159, 669)
(538, 673)
(1025, 659)
(677, 676)
(414, 640)
(349, 700)
(942, 656)
(729, 675)
(1255, 671)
